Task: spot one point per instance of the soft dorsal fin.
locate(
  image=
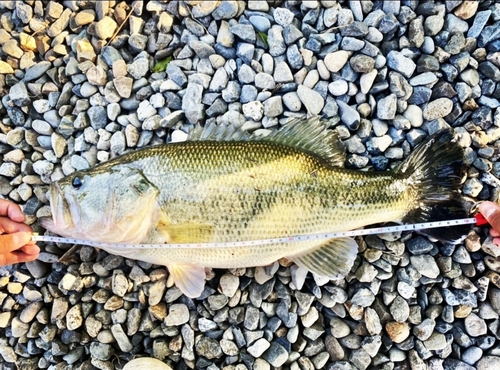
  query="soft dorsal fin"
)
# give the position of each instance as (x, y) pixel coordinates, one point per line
(310, 135)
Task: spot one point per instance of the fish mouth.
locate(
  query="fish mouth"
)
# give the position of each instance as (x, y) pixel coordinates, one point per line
(65, 211)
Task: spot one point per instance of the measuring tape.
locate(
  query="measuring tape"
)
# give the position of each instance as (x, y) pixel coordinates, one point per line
(478, 220)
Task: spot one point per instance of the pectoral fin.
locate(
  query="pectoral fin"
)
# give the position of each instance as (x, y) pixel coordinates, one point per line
(190, 279)
(333, 258)
(186, 233)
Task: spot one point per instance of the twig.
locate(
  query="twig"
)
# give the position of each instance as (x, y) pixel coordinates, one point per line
(337, 28)
(192, 16)
(121, 25)
(34, 34)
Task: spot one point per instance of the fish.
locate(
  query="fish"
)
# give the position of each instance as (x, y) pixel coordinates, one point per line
(225, 185)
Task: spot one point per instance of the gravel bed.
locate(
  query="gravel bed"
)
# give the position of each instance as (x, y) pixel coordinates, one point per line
(84, 81)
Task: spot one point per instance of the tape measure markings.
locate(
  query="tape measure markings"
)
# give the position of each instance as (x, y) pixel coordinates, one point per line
(287, 239)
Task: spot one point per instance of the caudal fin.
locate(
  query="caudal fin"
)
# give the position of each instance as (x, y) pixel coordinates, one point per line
(436, 169)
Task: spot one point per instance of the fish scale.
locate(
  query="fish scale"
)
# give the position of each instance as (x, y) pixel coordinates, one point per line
(277, 195)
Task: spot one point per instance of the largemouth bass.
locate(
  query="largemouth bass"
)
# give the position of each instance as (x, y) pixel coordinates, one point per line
(225, 185)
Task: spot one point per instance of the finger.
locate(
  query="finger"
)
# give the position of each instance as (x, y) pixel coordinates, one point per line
(494, 233)
(11, 242)
(16, 257)
(10, 226)
(491, 212)
(30, 249)
(496, 241)
(11, 210)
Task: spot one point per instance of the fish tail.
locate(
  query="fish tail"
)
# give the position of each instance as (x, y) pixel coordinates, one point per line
(436, 171)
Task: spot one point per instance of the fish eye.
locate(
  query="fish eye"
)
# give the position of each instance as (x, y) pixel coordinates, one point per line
(77, 182)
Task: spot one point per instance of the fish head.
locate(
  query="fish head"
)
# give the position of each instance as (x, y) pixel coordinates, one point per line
(105, 204)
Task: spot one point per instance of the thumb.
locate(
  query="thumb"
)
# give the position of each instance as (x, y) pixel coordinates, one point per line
(11, 242)
(491, 211)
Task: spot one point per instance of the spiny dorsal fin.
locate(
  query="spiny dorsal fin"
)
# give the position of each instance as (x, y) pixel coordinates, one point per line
(309, 135)
(213, 132)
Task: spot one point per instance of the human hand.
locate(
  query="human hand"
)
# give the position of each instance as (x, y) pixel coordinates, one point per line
(491, 212)
(16, 245)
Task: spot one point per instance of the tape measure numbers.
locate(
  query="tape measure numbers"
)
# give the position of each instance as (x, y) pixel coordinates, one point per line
(478, 220)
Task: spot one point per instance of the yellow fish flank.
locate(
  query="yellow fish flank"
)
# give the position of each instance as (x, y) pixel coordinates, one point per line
(225, 185)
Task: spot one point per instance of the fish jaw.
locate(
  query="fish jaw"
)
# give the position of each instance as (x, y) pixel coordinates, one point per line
(63, 212)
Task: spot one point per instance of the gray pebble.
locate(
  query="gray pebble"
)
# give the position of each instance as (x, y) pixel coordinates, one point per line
(386, 107)
(191, 103)
(488, 362)
(400, 310)
(178, 315)
(19, 95)
(261, 24)
(264, 81)
(282, 73)
(244, 31)
(474, 325)
(336, 60)
(363, 297)
(138, 68)
(202, 49)
(397, 61)
(276, 355)
(426, 265)
(312, 100)
(258, 347)
(98, 117)
(37, 70)
(226, 10)
(472, 354)
(101, 351)
(232, 92)
(294, 57)
(480, 21)
(209, 348)
(472, 187)
(349, 116)
(121, 338)
(438, 108)
(360, 358)
(276, 41)
(283, 16)
(338, 87)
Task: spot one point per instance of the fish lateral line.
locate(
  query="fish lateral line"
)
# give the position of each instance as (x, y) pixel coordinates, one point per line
(478, 220)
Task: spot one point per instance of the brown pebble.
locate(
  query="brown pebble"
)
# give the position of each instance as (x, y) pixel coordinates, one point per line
(397, 331)
(5, 68)
(467, 9)
(28, 42)
(84, 17)
(462, 311)
(159, 311)
(119, 68)
(470, 104)
(114, 303)
(494, 278)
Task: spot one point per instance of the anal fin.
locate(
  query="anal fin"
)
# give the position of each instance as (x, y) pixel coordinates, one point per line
(333, 258)
(190, 279)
